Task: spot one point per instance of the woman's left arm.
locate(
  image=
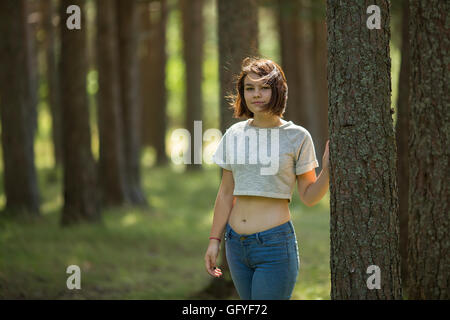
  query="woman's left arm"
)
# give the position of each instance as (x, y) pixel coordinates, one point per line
(311, 189)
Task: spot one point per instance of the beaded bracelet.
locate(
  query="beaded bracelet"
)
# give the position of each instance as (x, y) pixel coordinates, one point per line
(215, 238)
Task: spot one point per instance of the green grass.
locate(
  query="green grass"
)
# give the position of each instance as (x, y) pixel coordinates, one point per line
(312, 226)
(154, 253)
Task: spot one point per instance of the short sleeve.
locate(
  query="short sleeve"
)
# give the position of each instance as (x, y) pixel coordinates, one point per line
(219, 155)
(306, 157)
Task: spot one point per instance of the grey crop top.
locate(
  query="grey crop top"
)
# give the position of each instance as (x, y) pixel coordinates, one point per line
(265, 161)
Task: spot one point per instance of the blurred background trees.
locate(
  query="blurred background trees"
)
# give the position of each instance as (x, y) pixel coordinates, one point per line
(93, 108)
(17, 111)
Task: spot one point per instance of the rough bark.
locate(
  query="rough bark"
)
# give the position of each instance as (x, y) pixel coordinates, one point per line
(428, 233)
(80, 175)
(363, 190)
(19, 172)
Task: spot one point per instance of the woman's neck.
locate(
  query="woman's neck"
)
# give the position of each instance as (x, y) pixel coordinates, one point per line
(266, 121)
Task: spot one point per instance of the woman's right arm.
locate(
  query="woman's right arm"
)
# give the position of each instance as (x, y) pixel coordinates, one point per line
(222, 210)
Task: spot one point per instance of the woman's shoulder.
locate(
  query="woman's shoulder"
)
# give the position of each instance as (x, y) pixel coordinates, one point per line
(296, 133)
(295, 127)
(236, 126)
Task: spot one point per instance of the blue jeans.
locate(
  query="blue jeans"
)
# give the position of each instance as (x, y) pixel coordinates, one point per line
(263, 265)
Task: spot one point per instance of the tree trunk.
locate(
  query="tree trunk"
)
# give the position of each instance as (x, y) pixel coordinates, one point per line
(53, 97)
(306, 64)
(32, 23)
(319, 130)
(363, 189)
(428, 234)
(236, 17)
(80, 176)
(290, 30)
(402, 134)
(111, 162)
(129, 76)
(192, 17)
(298, 62)
(146, 70)
(153, 61)
(20, 181)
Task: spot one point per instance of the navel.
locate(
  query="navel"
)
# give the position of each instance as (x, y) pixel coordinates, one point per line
(243, 220)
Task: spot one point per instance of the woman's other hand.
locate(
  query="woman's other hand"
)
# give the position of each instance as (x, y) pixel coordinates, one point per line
(210, 258)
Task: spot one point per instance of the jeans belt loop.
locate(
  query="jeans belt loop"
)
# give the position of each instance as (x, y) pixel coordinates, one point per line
(258, 239)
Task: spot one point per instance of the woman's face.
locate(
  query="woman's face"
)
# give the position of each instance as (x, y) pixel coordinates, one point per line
(257, 94)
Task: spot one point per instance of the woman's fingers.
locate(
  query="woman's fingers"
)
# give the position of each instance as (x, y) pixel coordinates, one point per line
(212, 270)
(210, 267)
(217, 272)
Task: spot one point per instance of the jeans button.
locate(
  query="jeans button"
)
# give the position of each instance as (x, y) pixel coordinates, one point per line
(243, 238)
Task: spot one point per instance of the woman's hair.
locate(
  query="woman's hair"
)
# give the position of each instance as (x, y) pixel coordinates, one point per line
(268, 71)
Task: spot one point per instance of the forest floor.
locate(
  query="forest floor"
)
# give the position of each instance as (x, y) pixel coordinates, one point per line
(135, 253)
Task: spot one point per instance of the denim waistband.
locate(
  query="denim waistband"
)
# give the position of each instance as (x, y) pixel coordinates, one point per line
(278, 231)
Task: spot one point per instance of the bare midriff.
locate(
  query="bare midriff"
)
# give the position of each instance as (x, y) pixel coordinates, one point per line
(252, 214)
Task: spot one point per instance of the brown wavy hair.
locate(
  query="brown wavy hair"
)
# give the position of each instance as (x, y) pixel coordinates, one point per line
(273, 74)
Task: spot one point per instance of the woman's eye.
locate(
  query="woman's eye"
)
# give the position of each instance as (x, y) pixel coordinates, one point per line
(249, 88)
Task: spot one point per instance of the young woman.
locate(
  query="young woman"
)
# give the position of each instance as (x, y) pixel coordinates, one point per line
(261, 246)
